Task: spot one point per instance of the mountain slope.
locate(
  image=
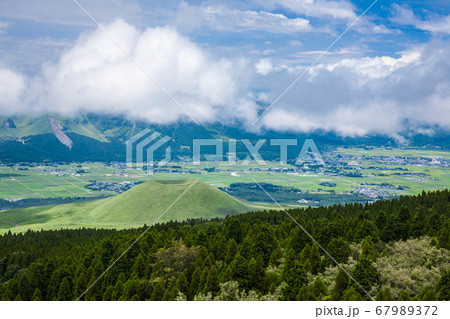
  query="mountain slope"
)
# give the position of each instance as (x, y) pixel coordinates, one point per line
(140, 205)
(92, 137)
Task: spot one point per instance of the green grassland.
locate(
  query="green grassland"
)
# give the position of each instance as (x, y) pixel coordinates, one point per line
(143, 204)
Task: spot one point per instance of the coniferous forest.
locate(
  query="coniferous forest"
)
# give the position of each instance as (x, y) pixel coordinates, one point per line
(395, 250)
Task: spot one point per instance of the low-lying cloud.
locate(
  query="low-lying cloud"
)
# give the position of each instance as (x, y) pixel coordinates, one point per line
(370, 95)
(356, 96)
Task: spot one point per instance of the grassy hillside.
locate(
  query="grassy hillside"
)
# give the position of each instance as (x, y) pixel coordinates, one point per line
(142, 204)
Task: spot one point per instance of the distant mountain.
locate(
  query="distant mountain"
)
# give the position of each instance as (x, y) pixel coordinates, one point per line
(140, 205)
(92, 137)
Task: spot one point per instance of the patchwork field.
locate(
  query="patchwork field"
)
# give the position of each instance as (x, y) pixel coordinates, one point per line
(405, 171)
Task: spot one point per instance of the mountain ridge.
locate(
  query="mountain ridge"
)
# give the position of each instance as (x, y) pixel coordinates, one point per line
(92, 137)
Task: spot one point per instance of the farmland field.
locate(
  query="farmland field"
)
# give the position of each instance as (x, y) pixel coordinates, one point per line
(377, 167)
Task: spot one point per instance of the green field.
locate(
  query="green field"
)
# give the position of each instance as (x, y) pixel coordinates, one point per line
(64, 181)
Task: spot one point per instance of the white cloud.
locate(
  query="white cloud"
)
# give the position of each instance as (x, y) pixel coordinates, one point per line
(219, 17)
(264, 66)
(96, 76)
(315, 8)
(12, 87)
(367, 95)
(435, 23)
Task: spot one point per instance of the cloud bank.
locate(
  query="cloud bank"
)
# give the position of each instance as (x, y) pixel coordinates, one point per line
(369, 95)
(95, 75)
(355, 96)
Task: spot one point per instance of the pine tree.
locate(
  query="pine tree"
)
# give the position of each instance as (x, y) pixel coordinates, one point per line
(381, 220)
(131, 287)
(304, 255)
(443, 286)
(172, 291)
(418, 226)
(203, 279)
(80, 285)
(275, 257)
(246, 248)
(234, 230)
(443, 238)
(295, 279)
(182, 283)
(226, 275)
(158, 291)
(231, 251)
(299, 241)
(212, 282)
(239, 268)
(37, 295)
(64, 293)
(118, 290)
(365, 274)
(339, 249)
(108, 295)
(314, 259)
(139, 266)
(384, 294)
(264, 245)
(367, 248)
(340, 285)
(194, 286)
(25, 289)
(256, 273)
(404, 296)
(107, 252)
(319, 288)
(351, 295)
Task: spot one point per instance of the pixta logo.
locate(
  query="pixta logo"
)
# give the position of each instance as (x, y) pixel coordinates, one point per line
(150, 142)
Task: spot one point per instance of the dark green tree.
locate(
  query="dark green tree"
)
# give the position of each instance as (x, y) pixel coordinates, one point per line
(37, 295)
(419, 223)
(314, 259)
(182, 283)
(339, 249)
(384, 294)
(340, 285)
(64, 293)
(158, 291)
(295, 279)
(443, 286)
(239, 268)
(256, 273)
(234, 230)
(212, 282)
(365, 274)
(381, 220)
(25, 288)
(319, 289)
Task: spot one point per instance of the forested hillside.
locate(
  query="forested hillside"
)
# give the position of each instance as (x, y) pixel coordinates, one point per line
(396, 250)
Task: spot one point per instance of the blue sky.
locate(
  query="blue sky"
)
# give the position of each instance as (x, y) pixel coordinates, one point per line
(222, 60)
